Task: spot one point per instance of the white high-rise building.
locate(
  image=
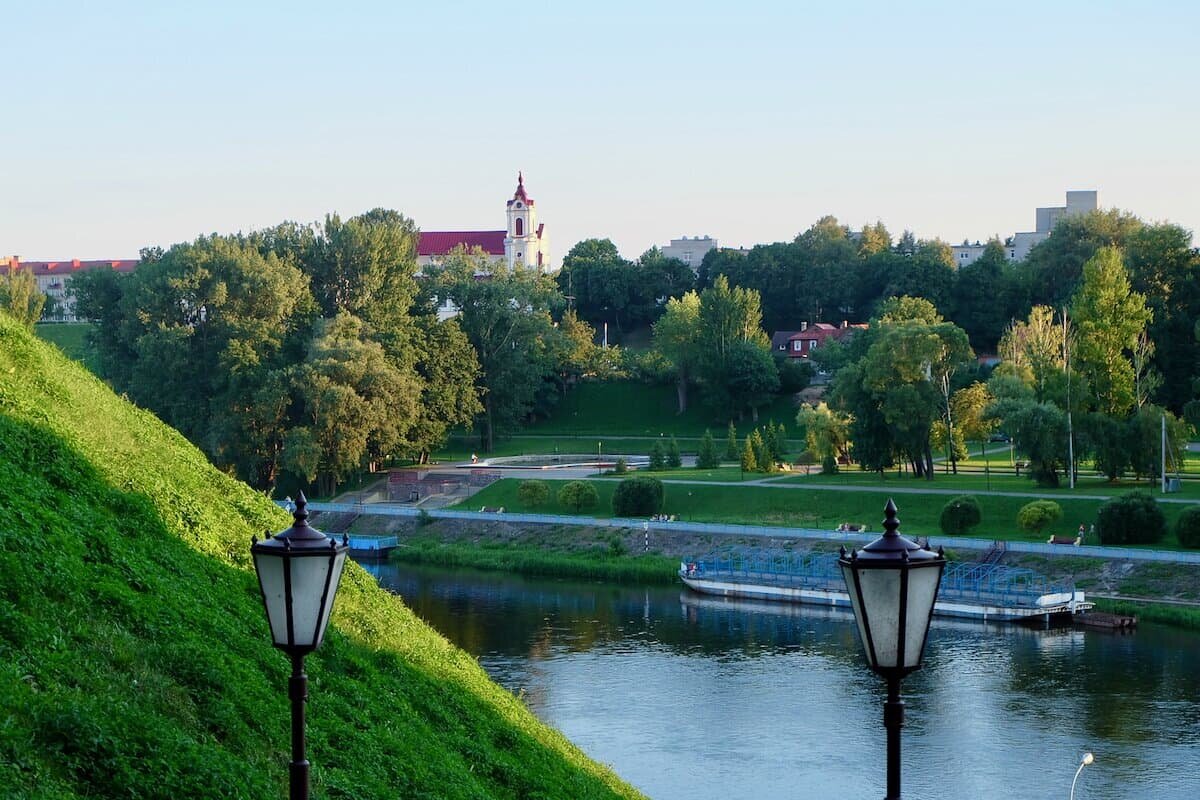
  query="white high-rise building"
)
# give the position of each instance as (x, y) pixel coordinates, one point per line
(1018, 247)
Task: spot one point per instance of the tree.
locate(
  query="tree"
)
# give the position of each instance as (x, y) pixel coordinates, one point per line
(449, 371)
(1187, 528)
(732, 451)
(677, 337)
(826, 432)
(746, 379)
(969, 406)
(506, 319)
(707, 456)
(674, 458)
(1036, 516)
(749, 459)
(980, 296)
(1109, 317)
(1108, 441)
(658, 457)
(1134, 518)
(735, 364)
(601, 281)
(578, 495)
(534, 494)
(20, 297)
(1039, 431)
(1039, 347)
(960, 515)
(1054, 265)
(1144, 439)
(638, 497)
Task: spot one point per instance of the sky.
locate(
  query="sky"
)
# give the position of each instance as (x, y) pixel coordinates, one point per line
(136, 124)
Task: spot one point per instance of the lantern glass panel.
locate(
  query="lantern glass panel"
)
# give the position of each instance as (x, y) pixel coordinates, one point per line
(270, 576)
(881, 601)
(309, 576)
(859, 617)
(922, 591)
(339, 561)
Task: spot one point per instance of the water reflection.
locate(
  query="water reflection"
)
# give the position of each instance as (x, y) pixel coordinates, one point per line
(694, 697)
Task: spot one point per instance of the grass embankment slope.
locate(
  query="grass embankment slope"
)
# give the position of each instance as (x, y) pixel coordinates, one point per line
(134, 655)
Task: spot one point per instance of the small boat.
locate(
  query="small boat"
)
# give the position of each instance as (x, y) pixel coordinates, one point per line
(989, 592)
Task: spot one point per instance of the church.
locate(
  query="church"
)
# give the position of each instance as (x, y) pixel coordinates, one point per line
(524, 241)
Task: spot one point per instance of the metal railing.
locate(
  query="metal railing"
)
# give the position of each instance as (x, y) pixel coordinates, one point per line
(766, 531)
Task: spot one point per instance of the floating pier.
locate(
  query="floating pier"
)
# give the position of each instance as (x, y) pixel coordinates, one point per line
(991, 592)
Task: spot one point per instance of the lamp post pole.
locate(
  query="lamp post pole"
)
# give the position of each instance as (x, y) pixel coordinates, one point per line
(893, 721)
(298, 693)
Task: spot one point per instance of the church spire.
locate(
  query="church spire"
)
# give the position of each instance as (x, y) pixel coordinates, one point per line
(519, 194)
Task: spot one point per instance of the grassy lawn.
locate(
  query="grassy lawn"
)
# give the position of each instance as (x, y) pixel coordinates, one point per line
(637, 409)
(1006, 482)
(763, 505)
(460, 448)
(71, 337)
(729, 473)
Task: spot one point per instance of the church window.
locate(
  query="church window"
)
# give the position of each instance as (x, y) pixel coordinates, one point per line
(519, 226)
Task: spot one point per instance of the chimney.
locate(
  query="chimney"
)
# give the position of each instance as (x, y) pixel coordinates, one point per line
(803, 327)
(74, 263)
(845, 324)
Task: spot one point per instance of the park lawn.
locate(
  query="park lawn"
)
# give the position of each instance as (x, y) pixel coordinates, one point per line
(972, 482)
(637, 409)
(460, 448)
(719, 474)
(71, 337)
(803, 508)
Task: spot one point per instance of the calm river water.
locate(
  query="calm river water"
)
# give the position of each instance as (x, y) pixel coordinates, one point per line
(688, 697)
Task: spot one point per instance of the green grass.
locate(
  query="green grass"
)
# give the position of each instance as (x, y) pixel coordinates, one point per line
(765, 505)
(627, 408)
(605, 561)
(71, 337)
(720, 474)
(1004, 482)
(1161, 613)
(134, 654)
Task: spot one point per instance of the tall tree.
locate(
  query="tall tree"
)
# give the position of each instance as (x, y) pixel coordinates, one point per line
(20, 297)
(1109, 317)
(677, 337)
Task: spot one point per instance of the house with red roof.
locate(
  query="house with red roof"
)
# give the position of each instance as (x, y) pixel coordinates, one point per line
(52, 277)
(801, 343)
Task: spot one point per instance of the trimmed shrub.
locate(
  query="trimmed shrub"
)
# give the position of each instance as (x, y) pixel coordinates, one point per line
(638, 497)
(658, 458)
(578, 495)
(1187, 528)
(533, 493)
(1035, 516)
(960, 515)
(621, 467)
(829, 465)
(1134, 518)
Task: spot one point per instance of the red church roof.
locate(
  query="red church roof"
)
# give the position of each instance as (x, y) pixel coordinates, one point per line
(519, 194)
(438, 243)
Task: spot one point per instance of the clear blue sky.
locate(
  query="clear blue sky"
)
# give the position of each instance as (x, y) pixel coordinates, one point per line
(128, 124)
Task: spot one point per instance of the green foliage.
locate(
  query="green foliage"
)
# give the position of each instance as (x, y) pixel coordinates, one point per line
(20, 297)
(826, 432)
(621, 466)
(136, 662)
(749, 458)
(1134, 518)
(638, 497)
(829, 465)
(1040, 432)
(677, 338)
(658, 457)
(612, 289)
(424, 518)
(534, 493)
(960, 515)
(732, 450)
(578, 495)
(674, 457)
(1187, 528)
(707, 456)
(1036, 516)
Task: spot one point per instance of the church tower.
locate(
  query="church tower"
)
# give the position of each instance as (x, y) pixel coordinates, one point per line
(524, 242)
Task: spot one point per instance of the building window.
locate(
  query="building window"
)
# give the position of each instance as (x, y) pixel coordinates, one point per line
(519, 227)
(797, 345)
(687, 257)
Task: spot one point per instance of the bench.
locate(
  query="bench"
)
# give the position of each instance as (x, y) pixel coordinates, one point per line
(491, 509)
(1065, 540)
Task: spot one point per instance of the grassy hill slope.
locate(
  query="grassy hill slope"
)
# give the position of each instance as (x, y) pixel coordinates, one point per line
(134, 654)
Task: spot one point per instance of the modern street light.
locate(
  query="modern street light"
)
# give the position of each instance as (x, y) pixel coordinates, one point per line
(298, 573)
(1088, 758)
(893, 585)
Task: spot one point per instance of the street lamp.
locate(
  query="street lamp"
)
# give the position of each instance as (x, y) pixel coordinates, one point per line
(298, 573)
(893, 585)
(1088, 758)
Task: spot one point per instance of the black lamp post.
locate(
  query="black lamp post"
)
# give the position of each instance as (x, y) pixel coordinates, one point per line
(893, 585)
(298, 572)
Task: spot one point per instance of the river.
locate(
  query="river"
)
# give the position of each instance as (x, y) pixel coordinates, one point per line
(693, 698)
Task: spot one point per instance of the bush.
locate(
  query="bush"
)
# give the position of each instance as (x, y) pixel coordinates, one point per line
(424, 518)
(1035, 516)
(707, 457)
(829, 465)
(658, 458)
(1187, 528)
(578, 495)
(533, 493)
(621, 467)
(1132, 519)
(674, 457)
(960, 515)
(638, 497)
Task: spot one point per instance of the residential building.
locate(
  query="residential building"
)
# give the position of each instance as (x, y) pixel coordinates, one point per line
(53, 276)
(1017, 247)
(690, 251)
(801, 343)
